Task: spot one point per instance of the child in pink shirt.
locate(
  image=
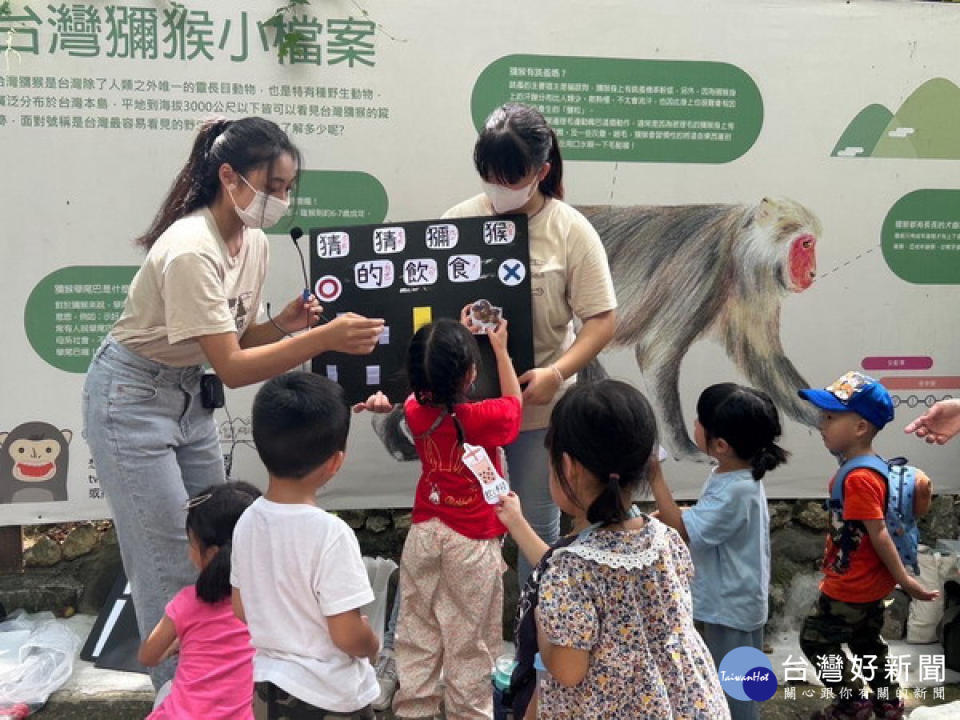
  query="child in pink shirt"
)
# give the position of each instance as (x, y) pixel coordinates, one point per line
(214, 678)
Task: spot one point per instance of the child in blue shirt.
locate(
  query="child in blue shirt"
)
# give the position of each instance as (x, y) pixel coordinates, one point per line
(728, 529)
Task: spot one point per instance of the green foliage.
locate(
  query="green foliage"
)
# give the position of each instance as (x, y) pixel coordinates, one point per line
(290, 39)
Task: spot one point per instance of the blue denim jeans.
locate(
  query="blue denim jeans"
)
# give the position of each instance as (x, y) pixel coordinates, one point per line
(529, 467)
(153, 446)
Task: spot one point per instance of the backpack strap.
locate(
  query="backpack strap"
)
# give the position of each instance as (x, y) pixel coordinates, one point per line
(868, 462)
(436, 423)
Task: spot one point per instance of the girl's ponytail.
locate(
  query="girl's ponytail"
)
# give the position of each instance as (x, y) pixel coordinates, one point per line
(214, 579)
(607, 508)
(766, 459)
(439, 360)
(211, 517)
(747, 420)
(609, 429)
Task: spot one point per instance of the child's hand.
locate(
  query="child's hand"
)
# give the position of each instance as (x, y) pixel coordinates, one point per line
(498, 336)
(918, 592)
(174, 649)
(654, 468)
(509, 511)
(376, 654)
(466, 318)
(378, 403)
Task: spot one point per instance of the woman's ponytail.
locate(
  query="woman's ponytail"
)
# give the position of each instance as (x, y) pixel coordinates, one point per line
(243, 144)
(515, 141)
(552, 184)
(193, 186)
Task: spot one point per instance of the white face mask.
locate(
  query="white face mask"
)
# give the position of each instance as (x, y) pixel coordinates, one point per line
(504, 199)
(264, 210)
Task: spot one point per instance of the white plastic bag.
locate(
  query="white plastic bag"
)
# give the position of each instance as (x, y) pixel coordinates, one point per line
(935, 569)
(950, 711)
(379, 570)
(38, 657)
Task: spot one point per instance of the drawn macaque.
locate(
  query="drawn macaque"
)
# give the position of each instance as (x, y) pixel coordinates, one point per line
(33, 463)
(687, 271)
(682, 272)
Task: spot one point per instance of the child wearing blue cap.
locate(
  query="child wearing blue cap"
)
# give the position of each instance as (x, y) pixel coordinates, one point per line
(861, 565)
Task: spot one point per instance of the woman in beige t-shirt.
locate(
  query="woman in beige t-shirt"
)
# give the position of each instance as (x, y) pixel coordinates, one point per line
(518, 159)
(193, 302)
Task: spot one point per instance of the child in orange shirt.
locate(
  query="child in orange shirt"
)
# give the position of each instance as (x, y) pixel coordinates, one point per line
(861, 565)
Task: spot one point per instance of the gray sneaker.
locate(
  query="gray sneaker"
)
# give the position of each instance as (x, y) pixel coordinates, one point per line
(387, 678)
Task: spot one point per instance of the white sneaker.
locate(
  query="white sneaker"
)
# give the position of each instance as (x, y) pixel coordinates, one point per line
(387, 678)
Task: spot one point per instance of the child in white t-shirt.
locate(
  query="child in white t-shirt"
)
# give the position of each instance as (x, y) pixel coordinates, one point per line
(297, 574)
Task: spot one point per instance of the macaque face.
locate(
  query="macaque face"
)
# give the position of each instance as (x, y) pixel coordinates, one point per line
(34, 460)
(802, 261)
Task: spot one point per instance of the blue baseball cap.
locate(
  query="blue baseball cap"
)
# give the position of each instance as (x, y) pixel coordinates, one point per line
(854, 392)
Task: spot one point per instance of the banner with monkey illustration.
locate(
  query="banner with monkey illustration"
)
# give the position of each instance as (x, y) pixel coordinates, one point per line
(779, 204)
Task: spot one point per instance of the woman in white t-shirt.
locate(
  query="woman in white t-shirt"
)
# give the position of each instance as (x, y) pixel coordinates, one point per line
(193, 302)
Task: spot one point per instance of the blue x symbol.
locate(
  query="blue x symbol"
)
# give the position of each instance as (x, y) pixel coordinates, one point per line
(513, 272)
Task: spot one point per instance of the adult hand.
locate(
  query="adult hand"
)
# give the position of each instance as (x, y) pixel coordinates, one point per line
(352, 334)
(498, 336)
(542, 384)
(939, 423)
(299, 315)
(378, 403)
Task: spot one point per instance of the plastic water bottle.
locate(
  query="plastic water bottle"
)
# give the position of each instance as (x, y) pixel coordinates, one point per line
(502, 670)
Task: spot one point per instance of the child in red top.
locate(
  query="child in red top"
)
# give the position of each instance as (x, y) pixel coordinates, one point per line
(861, 564)
(451, 567)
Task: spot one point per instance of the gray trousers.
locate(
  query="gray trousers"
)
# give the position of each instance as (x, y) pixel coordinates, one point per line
(720, 640)
(153, 446)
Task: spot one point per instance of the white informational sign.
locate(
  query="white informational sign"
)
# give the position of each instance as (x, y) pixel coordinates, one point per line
(777, 184)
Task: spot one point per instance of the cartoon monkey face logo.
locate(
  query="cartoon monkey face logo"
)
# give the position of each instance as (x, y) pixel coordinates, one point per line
(35, 459)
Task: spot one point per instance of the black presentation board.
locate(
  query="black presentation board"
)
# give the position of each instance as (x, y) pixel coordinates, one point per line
(114, 639)
(410, 273)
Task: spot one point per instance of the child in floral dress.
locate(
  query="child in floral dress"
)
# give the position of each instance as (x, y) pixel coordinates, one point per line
(614, 622)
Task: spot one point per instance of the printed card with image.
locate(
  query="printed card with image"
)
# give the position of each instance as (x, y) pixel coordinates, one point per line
(479, 463)
(484, 316)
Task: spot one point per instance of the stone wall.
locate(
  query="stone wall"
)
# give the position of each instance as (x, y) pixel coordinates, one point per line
(67, 568)
(71, 567)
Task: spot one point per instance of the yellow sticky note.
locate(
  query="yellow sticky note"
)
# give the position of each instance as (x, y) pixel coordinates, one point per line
(422, 316)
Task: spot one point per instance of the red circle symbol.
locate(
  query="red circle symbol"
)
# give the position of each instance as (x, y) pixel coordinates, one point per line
(328, 288)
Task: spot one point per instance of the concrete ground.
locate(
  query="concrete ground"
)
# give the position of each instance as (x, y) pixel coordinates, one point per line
(93, 694)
